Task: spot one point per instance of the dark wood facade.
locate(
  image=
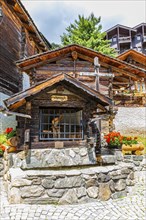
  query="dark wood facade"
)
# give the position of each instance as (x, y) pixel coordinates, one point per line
(77, 61)
(134, 94)
(68, 73)
(63, 95)
(19, 38)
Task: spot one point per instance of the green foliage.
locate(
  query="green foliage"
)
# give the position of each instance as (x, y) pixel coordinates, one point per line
(87, 32)
(55, 46)
(11, 134)
(3, 138)
(129, 140)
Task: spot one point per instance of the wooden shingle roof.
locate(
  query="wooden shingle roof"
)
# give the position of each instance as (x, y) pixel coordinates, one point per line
(116, 64)
(137, 56)
(20, 98)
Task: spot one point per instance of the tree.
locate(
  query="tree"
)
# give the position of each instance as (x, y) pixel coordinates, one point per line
(87, 32)
(55, 46)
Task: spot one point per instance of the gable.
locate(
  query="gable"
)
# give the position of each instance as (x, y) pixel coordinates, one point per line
(74, 86)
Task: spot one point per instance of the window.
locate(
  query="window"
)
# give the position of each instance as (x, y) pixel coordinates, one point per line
(114, 39)
(61, 124)
(138, 37)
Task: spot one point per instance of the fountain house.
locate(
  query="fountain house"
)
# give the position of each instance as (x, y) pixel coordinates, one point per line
(59, 150)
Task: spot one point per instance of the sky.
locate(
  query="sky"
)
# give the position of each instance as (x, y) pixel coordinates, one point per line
(53, 17)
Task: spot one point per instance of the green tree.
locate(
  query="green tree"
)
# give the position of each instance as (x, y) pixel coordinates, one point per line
(87, 32)
(55, 46)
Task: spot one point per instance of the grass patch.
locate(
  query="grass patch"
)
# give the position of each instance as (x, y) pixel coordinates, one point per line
(143, 140)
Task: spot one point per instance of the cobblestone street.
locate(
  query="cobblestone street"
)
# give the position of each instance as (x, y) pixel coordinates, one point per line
(132, 207)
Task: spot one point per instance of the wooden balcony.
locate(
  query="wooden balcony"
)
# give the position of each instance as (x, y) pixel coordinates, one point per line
(124, 40)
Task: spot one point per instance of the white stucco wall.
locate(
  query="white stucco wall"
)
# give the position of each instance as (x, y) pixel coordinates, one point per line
(131, 120)
(25, 81)
(6, 121)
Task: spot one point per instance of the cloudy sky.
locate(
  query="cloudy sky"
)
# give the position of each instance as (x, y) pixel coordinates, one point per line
(52, 17)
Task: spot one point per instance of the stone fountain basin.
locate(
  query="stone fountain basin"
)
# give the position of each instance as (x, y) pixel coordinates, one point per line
(69, 186)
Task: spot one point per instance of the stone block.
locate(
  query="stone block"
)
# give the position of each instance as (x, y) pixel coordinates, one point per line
(81, 192)
(118, 195)
(120, 185)
(59, 144)
(92, 192)
(69, 182)
(31, 191)
(14, 196)
(104, 191)
(103, 177)
(47, 183)
(21, 182)
(69, 197)
(55, 193)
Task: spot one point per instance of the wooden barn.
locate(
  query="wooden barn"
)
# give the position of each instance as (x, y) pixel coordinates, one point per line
(63, 100)
(20, 38)
(135, 93)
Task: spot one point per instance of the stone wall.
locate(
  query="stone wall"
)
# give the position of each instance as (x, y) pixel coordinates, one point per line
(1, 166)
(69, 186)
(50, 157)
(131, 121)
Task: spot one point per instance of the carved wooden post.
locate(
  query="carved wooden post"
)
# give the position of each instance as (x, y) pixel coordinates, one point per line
(141, 85)
(74, 56)
(111, 117)
(33, 77)
(136, 86)
(27, 129)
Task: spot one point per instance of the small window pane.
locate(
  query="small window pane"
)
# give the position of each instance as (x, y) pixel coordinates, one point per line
(60, 124)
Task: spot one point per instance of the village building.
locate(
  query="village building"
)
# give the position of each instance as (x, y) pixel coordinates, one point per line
(59, 149)
(20, 38)
(64, 88)
(123, 38)
(72, 91)
(130, 119)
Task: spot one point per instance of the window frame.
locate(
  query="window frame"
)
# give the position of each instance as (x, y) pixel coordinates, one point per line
(45, 136)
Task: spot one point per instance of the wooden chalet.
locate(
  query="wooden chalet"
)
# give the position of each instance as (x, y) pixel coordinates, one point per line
(63, 100)
(20, 38)
(135, 93)
(61, 108)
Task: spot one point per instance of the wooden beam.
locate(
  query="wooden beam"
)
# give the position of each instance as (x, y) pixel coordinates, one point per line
(110, 66)
(40, 62)
(122, 71)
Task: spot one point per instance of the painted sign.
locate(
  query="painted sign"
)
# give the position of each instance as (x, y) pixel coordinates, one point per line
(59, 98)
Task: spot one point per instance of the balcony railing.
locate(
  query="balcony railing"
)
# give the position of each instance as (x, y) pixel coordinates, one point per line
(125, 39)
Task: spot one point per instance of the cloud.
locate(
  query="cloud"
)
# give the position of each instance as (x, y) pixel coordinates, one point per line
(53, 17)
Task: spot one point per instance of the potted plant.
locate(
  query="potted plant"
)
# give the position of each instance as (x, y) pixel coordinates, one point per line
(8, 141)
(114, 140)
(2, 150)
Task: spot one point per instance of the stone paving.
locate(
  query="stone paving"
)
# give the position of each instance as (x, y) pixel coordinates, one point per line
(132, 207)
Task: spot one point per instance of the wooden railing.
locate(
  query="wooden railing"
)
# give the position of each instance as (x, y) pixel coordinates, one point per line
(125, 39)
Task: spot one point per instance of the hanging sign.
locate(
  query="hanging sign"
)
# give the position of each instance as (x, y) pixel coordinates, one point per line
(59, 98)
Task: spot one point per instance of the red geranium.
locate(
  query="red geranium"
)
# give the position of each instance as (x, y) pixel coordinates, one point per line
(8, 130)
(114, 139)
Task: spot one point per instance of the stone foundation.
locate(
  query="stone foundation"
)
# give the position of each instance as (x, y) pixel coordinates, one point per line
(44, 158)
(48, 184)
(1, 166)
(69, 186)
